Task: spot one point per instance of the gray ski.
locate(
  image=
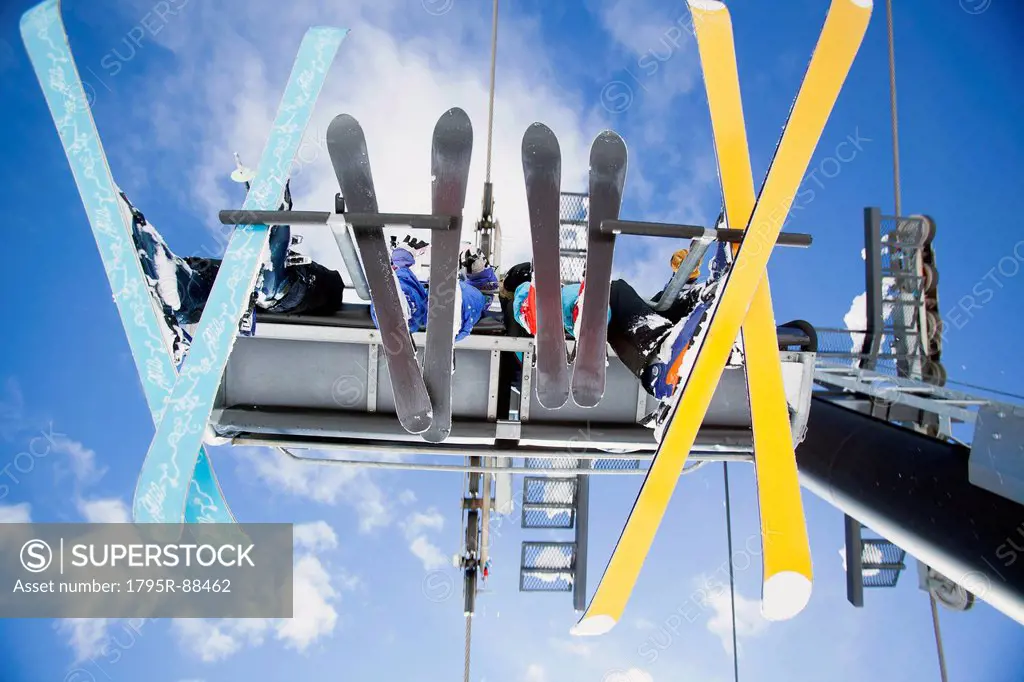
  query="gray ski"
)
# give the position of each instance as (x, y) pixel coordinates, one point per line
(449, 167)
(607, 176)
(346, 145)
(542, 169)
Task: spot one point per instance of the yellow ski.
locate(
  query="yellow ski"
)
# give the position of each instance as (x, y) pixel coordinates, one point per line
(840, 39)
(786, 553)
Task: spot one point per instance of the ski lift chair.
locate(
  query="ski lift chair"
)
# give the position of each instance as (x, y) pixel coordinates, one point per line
(321, 383)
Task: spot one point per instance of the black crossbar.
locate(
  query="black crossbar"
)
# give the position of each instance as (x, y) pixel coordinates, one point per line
(693, 232)
(413, 220)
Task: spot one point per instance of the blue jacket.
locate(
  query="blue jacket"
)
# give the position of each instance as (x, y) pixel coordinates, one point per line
(415, 297)
(474, 303)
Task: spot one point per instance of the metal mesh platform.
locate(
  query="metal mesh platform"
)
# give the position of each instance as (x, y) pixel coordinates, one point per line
(540, 517)
(548, 502)
(547, 567)
(881, 562)
(573, 213)
(617, 464)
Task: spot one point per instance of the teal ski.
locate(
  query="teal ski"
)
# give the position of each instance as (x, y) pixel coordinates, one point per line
(46, 42)
(161, 493)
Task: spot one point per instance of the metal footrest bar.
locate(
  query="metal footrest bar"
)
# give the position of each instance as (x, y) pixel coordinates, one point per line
(646, 229)
(356, 220)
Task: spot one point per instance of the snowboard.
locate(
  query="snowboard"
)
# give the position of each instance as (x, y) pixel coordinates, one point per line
(346, 145)
(786, 554)
(833, 56)
(161, 492)
(542, 169)
(148, 331)
(449, 166)
(590, 357)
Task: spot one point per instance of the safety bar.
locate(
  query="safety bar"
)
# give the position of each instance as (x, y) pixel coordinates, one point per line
(797, 239)
(413, 220)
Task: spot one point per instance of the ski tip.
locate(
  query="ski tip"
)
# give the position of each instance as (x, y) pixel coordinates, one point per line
(606, 140)
(552, 400)
(456, 115)
(592, 626)
(416, 423)
(541, 151)
(33, 16)
(437, 434)
(586, 395)
(328, 30)
(537, 133)
(707, 5)
(784, 595)
(343, 124)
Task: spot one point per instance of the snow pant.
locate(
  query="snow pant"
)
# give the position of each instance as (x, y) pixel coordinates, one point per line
(308, 289)
(183, 285)
(635, 330)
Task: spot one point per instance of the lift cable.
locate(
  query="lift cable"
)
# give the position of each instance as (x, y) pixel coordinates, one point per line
(896, 196)
(987, 390)
(732, 583)
(469, 632)
(892, 106)
(490, 102)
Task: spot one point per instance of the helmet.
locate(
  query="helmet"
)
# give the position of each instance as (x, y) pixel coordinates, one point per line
(677, 259)
(472, 260)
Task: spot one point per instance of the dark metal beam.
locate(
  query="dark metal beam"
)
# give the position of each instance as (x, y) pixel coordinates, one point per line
(914, 491)
(854, 565)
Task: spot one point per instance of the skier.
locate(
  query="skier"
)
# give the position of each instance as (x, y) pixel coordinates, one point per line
(650, 344)
(477, 286)
(183, 285)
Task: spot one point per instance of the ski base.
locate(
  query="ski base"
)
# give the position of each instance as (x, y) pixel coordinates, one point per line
(839, 43)
(449, 163)
(607, 177)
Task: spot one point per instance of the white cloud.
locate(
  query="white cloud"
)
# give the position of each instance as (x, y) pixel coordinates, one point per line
(418, 522)
(396, 72)
(574, 647)
(857, 318)
(16, 513)
(428, 553)
(315, 595)
(207, 639)
(108, 510)
(631, 675)
(316, 537)
(643, 624)
(407, 497)
(314, 615)
(415, 527)
(535, 672)
(81, 459)
(749, 622)
(86, 636)
(320, 483)
(12, 409)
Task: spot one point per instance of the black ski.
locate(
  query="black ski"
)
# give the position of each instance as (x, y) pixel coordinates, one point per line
(542, 168)
(607, 176)
(449, 166)
(346, 145)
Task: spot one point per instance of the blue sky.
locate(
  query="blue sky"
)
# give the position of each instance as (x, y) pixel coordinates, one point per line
(205, 82)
